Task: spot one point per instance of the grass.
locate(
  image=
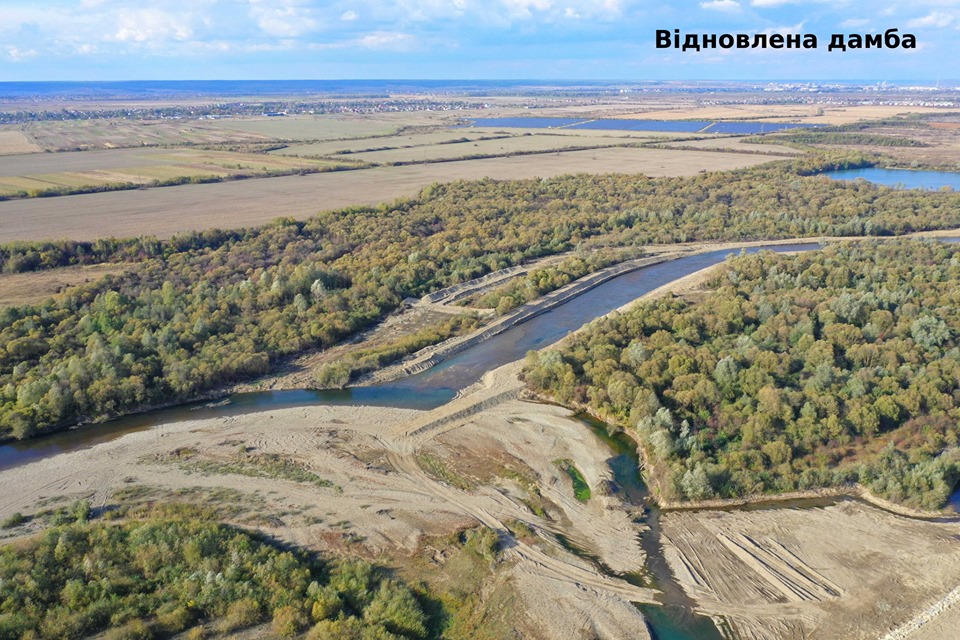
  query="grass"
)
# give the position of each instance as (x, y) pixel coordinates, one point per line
(265, 465)
(498, 147)
(47, 174)
(435, 467)
(581, 490)
(35, 287)
(14, 520)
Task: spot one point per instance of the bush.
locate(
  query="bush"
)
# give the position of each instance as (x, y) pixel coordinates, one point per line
(13, 520)
(133, 630)
(288, 621)
(241, 614)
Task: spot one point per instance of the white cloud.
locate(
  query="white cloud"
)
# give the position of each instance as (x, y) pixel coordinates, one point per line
(721, 5)
(283, 20)
(15, 54)
(393, 41)
(854, 23)
(348, 16)
(146, 26)
(937, 19)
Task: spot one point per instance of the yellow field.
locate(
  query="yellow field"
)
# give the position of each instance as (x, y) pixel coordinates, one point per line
(312, 127)
(736, 144)
(34, 287)
(168, 210)
(392, 142)
(137, 166)
(811, 114)
(12, 142)
(503, 146)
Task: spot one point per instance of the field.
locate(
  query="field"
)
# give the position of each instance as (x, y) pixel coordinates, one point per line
(397, 141)
(408, 143)
(504, 146)
(36, 172)
(165, 211)
(734, 144)
(810, 114)
(322, 127)
(73, 135)
(12, 141)
(35, 287)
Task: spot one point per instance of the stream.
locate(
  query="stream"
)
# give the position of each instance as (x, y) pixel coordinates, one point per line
(674, 619)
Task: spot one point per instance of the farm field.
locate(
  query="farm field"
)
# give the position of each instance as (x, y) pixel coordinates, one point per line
(397, 141)
(13, 142)
(329, 127)
(503, 146)
(735, 144)
(35, 287)
(37, 172)
(168, 210)
(809, 114)
(72, 135)
(409, 141)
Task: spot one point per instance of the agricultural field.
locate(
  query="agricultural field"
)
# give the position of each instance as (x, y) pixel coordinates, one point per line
(77, 135)
(73, 135)
(35, 287)
(324, 127)
(36, 173)
(168, 210)
(15, 142)
(809, 114)
(734, 144)
(505, 146)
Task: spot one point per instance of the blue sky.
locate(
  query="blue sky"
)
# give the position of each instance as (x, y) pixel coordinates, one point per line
(471, 39)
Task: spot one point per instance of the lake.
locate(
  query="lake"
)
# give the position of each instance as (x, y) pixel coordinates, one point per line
(901, 178)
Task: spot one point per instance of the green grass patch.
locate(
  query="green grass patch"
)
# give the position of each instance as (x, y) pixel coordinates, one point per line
(436, 468)
(266, 465)
(581, 490)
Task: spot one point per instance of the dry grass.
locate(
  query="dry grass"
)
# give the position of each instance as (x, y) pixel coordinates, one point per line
(313, 127)
(168, 210)
(735, 144)
(13, 142)
(135, 166)
(813, 114)
(31, 288)
(503, 146)
(110, 134)
(398, 141)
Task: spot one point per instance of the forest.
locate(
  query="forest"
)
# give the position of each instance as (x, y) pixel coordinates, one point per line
(160, 575)
(202, 311)
(790, 372)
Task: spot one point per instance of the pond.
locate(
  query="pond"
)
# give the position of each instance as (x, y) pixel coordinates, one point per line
(901, 178)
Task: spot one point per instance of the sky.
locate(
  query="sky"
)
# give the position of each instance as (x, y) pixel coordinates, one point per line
(460, 39)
